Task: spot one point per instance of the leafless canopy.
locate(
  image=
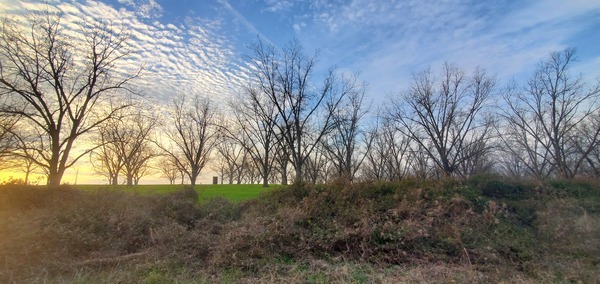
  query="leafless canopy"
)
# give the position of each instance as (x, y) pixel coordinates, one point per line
(443, 116)
(305, 110)
(344, 145)
(7, 139)
(191, 134)
(124, 145)
(254, 118)
(56, 88)
(545, 120)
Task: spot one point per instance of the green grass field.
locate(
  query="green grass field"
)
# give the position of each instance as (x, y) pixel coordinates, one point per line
(232, 192)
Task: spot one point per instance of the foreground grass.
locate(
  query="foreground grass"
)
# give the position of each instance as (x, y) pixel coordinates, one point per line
(232, 192)
(485, 230)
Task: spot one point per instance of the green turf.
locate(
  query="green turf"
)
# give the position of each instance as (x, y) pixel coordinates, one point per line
(233, 192)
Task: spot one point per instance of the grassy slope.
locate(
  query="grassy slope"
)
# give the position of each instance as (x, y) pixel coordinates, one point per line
(232, 192)
(487, 230)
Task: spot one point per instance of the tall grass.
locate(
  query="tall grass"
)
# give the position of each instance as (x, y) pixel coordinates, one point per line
(410, 231)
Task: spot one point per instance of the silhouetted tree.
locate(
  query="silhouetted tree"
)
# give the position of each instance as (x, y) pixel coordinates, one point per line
(59, 87)
(8, 142)
(255, 118)
(133, 143)
(233, 156)
(443, 115)
(343, 144)
(542, 119)
(587, 134)
(304, 109)
(318, 167)
(169, 169)
(390, 156)
(124, 146)
(105, 159)
(191, 134)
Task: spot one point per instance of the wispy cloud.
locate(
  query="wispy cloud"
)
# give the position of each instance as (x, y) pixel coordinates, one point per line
(385, 40)
(194, 58)
(388, 40)
(243, 21)
(145, 8)
(275, 6)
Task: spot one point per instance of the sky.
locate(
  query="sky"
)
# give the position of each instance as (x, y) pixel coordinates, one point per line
(202, 46)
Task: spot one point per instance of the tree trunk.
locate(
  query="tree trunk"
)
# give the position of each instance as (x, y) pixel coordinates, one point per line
(114, 180)
(265, 175)
(298, 178)
(193, 178)
(284, 179)
(54, 179)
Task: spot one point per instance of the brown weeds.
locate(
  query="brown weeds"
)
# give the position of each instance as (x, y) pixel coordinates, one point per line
(343, 232)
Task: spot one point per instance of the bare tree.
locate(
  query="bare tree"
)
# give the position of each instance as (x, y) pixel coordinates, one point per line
(398, 153)
(284, 80)
(510, 165)
(105, 159)
(28, 167)
(543, 117)
(317, 167)
(254, 174)
(191, 134)
(8, 141)
(143, 169)
(132, 140)
(124, 146)
(343, 144)
(390, 156)
(219, 166)
(587, 134)
(233, 156)
(523, 150)
(420, 162)
(447, 115)
(255, 118)
(374, 166)
(59, 88)
(282, 162)
(169, 170)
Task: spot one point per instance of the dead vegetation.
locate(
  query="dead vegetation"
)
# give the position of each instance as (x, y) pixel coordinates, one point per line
(484, 230)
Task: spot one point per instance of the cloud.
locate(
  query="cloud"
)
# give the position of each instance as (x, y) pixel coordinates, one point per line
(275, 6)
(243, 21)
(388, 40)
(145, 8)
(192, 58)
(298, 27)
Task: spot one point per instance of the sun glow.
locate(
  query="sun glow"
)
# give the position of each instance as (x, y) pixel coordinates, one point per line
(85, 174)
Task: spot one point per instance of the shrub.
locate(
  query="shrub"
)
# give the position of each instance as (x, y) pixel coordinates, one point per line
(219, 209)
(500, 187)
(180, 206)
(57, 230)
(377, 224)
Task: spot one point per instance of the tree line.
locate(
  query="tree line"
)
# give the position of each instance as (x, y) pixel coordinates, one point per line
(62, 102)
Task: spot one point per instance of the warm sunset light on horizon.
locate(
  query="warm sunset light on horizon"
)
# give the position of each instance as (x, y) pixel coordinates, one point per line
(80, 175)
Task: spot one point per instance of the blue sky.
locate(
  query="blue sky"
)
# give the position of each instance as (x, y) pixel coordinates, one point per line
(199, 46)
(187, 46)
